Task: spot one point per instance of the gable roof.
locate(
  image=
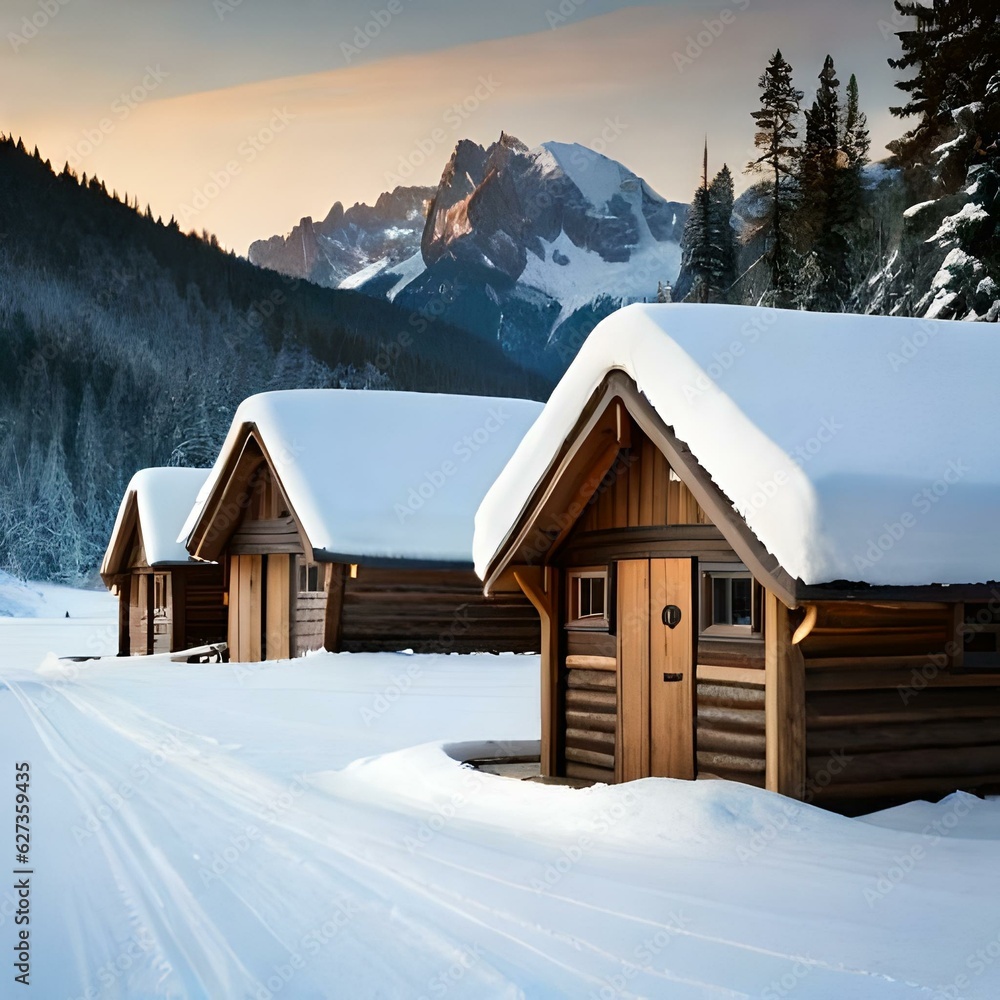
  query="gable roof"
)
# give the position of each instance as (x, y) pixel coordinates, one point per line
(854, 448)
(156, 501)
(371, 476)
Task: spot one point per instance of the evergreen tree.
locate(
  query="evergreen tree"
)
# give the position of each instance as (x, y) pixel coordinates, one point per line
(856, 141)
(775, 137)
(722, 238)
(951, 159)
(822, 223)
(708, 244)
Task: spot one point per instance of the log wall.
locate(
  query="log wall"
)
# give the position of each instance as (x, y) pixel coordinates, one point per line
(891, 714)
(310, 618)
(433, 611)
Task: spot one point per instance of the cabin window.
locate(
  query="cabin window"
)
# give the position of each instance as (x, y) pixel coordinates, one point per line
(310, 581)
(588, 598)
(731, 602)
(159, 595)
(981, 636)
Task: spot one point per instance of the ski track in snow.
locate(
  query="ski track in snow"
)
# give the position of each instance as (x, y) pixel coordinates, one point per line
(344, 879)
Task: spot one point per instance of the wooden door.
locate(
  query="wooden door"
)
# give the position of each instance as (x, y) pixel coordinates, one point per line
(656, 684)
(245, 608)
(279, 617)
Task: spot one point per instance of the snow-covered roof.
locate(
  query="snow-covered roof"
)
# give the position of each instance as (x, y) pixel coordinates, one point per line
(163, 498)
(378, 475)
(856, 448)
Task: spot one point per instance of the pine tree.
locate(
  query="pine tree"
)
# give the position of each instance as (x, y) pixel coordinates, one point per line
(776, 134)
(856, 141)
(821, 222)
(722, 238)
(708, 244)
(951, 159)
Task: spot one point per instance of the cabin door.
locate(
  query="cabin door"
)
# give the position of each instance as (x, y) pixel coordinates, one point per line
(260, 598)
(656, 683)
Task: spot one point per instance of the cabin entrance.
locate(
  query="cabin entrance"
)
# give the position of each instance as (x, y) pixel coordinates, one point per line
(260, 607)
(656, 666)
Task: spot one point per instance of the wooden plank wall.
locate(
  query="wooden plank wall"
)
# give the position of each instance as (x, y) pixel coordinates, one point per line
(205, 614)
(432, 611)
(310, 621)
(638, 492)
(888, 717)
(588, 683)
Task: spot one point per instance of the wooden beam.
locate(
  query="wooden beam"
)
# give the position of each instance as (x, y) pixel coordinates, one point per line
(582, 661)
(731, 675)
(177, 584)
(784, 703)
(539, 585)
(336, 575)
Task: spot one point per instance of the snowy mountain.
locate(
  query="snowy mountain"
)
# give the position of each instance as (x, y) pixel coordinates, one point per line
(529, 248)
(351, 242)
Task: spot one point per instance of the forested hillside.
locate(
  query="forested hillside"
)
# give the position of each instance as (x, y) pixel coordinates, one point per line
(125, 343)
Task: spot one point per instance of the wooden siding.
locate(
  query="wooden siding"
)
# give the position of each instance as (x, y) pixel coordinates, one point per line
(639, 491)
(889, 716)
(310, 621)
(204, 610)
(433, 611)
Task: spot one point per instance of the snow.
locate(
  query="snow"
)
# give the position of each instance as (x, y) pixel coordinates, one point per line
(915, 210)
(19, 599)
(598, 177)
(408, 270)
(164, 497)
(588, 275)
(842, 440)
(950, 226)
(381, 475)
(360, 277)
(296, 829)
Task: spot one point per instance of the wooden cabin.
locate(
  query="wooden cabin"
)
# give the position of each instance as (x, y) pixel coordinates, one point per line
(167, 601)
(763, 549)
(343, 520)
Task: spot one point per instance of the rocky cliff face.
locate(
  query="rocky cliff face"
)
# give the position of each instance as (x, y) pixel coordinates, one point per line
(526, 247)
(348, 241)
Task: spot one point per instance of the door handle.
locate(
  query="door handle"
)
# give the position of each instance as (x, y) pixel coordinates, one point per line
(671, 678)
(671, 616)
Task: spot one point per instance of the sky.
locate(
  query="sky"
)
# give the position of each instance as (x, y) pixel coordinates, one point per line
(243, 116)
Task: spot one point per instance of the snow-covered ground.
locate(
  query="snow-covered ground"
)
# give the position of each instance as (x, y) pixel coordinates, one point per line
(296, 830)
(50, 600)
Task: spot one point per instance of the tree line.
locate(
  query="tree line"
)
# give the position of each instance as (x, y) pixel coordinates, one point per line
(830, 240)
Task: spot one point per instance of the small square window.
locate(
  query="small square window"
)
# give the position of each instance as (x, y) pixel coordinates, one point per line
(731, 602)
(309, 578)
(588, 598)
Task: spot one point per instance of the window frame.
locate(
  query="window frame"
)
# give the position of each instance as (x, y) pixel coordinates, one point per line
(591, 622)
(708, 628)
(984, 661)
(305, 567)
